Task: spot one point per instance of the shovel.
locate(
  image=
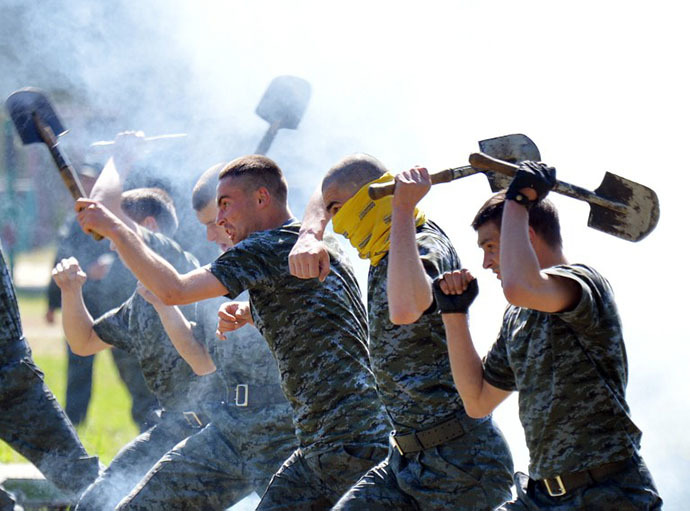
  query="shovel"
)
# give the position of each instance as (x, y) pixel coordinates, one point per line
(36, 121)
(511, 148)
(282, 106)
(619, 207)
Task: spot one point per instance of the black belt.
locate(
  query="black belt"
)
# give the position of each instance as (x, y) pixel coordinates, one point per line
(428, 438)
(562, 484)
(249, 395)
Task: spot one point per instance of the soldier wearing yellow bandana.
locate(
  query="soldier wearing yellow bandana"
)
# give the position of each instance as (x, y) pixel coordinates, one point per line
(367, 223)
(439, 458)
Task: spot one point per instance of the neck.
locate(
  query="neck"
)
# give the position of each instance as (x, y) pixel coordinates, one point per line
(275, 218)
(549, 257)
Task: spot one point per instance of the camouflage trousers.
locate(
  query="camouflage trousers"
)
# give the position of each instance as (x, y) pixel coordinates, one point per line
(133, 461)
(473, 472)
(231, 457)
(33, 424)
(632, 489)
(316, 480)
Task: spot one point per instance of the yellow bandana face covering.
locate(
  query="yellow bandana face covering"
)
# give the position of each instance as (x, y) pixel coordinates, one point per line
(367, 223)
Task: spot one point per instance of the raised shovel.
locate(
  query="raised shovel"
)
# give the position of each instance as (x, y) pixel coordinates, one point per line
(36, 122)
(620, 207)
(512, 148)
(282, 106)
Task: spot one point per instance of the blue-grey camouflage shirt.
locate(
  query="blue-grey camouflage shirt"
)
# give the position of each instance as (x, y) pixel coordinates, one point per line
(317, 333)
(10, 323)
(570, 370)
(136, 328)
(411, 361)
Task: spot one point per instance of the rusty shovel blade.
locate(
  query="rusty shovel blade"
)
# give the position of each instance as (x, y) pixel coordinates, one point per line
(511, 148)
(23, 105)
(641, 213)
(619, 207)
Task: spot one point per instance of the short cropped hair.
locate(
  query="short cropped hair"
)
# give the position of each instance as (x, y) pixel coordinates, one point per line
(543, 218)
(353, 172)
(256, 171)
(140, 203)
(205, 188)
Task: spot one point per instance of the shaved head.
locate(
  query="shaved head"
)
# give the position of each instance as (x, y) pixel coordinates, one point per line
(353, 172)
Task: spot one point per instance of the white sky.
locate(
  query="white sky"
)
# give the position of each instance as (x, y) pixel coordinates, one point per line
(599, 86)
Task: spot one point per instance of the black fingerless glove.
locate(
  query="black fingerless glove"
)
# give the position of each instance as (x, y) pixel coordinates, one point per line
(455, 303)
(536, 175)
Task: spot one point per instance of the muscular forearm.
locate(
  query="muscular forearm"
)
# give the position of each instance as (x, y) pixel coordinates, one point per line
(152, 270)
(466, 367)
(408, 288)
(77, 324)
(315, 217)
(180, 332)
(520, 271)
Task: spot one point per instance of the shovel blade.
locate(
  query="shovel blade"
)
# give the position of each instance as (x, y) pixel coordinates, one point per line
(642, 213)
(284, 102)
(511, 148)
(22, 104)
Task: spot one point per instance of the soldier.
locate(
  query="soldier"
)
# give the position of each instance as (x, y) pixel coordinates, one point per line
(136, 328)
(439, 457)
(317, 332)
(32, 422)
(251, 433)
(561, 347)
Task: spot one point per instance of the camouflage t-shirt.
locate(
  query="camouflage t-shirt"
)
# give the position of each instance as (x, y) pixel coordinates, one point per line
(570, 370)
(10, 323)
(136, 328)
(317, 333)
(411, 361)
(243, 357)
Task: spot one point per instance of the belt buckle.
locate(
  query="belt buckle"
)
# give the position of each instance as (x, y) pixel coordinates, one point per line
(560, 490)
(395, 443)
(193, 419)
(245, 401)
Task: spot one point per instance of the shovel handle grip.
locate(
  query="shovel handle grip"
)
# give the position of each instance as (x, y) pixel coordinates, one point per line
(485, 162)
(378, 191)
(67, 173)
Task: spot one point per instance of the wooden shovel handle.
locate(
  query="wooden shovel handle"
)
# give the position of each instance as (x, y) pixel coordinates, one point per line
(379, 191)
(485, 162)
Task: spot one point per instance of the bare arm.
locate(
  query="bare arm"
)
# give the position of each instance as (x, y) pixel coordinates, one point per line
(180, 332)
(409, 287)
(76, 320)
(108, 187)
(479, 396)
(151, 269)
(524, 284)
(454, 292)
(309, 258)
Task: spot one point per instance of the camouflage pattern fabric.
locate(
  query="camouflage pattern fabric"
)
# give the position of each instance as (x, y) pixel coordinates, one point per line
(470, 473)
(32, 422)
(579, 420)
(316, 481)
(136, 328)
(133, 461)
(629, 490)
(317, 333)
(242, 447)
(231, 457)
(415, 383)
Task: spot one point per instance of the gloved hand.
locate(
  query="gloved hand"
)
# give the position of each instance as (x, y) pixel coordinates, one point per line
(455, 281)
(535, 175)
